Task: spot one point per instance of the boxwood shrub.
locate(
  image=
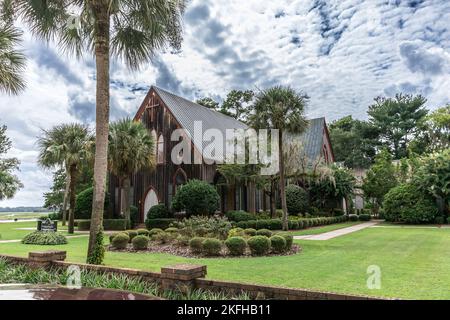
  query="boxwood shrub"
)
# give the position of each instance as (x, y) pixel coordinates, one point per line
(196, 197)
(278, 243)
(108, 224)
(353, 217)
(211, 246)
(158, 223)
(120, 241)
(154, 231)
(140, 242)
(236, 245)
(250, 232)
(264, 232)
(259, 245)
(239, 215)
(236, 232)
(143, 232)
(131, 234)
(158, 211)
(44, 238)
(364, 217)
(289, 241)
(195, 244)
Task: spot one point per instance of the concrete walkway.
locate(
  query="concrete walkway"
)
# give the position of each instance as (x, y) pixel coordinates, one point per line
(337, 233)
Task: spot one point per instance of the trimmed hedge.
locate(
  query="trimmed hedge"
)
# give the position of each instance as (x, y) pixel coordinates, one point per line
(353, 217)
(108, 224)
(158, 211)
(140, 242)
(259, 245)
(131, 234)
(364, 217)
(302, 223)
(44, 238)
(154, 231)
(196, 197)
(250, 232)
(236, 245)
(159, 223)
(143, 232)
(239, 216)
(289, 241)
(264, 232)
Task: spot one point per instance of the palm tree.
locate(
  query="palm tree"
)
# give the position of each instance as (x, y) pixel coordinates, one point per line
(280, 108)
(130, 150)
(12, 62)
(67, 145)
(133, 30)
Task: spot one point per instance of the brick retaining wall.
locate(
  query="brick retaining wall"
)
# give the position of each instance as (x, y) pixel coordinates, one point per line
(185, 277)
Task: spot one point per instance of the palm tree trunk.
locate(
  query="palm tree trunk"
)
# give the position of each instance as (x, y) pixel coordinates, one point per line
(272, 199)
(126, 198)
(100, 9)
(73, 179)
(66, 197)
(282, 181)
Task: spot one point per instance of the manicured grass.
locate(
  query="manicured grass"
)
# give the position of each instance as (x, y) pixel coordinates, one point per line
(318, 230)
(414, 263)
(21, 215)
(8, 231)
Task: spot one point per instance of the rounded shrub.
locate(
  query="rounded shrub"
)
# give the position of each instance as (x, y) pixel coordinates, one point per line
(293, 224)
(264, 232)
(162, 237)
(259, 245)
(44, 238)
(143, 232)
(406, 203)
(353, 217)
(120, 241)
(236, 232)
(250, 232)
(236, 245)
(289, 241)
(154, 231)
(278, 243)
(111, 237)
(196, 197)
(83, 203)
(158, 211)
(296, 199)
(195, 244)
(211, 246)
(140, 242)
(171, 230)
(131, 234)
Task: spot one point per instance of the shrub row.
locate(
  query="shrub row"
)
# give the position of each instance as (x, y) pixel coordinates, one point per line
(361, 217)
(108, 224)
(44, 238)
(275, 224)
(237, 245)
(162, 223)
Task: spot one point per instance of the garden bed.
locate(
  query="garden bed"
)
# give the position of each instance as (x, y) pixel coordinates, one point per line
(186, 252)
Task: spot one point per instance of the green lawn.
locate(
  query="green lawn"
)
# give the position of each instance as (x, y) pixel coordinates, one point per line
(21, 215)
(8, 231)
(415, 263)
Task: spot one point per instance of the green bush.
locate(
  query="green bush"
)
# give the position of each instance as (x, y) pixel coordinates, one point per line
(278, 243)
(143, 232)
(159, 223)
(248, 224)
(338, 212)
(293, 225)
(171, 230)
(162, 237)
(204, 226)
(236, 232)
(296, 199)
(250, 232)
(131, 234)
(440, 220)
(211, 246)
(239, 216)
(140, 242)
(259, 245)
(134, 215)
(196, 197)
(158, 211)
(154, 231)
(364, 217)
(111, 237)
(44, 238)
(236, 245)
(182, 240)
(406, 203)
(120, 241)
(264, 232)
(289, 241)
(83, 203)
(195, 244)
(353, 217)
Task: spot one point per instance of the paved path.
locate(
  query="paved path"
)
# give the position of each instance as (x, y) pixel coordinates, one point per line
(337, 233)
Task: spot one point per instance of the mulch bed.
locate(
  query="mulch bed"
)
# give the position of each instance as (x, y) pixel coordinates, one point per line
(183, 251)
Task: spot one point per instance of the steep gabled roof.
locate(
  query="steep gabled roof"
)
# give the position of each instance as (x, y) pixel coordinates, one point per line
(187, 112)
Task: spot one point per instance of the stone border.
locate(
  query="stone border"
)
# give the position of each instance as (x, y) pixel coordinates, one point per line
(185, 277)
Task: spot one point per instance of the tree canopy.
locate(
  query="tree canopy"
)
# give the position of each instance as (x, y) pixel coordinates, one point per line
(9, 182)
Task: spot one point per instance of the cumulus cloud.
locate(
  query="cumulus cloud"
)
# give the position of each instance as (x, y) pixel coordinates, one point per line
(341, 53)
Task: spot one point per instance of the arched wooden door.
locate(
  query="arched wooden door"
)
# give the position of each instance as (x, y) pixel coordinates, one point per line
(151, 199)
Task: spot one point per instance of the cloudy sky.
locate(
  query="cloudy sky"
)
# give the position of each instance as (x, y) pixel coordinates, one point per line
(342, 53)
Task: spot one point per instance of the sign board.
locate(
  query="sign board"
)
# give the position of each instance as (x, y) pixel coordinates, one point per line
(47, 225)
